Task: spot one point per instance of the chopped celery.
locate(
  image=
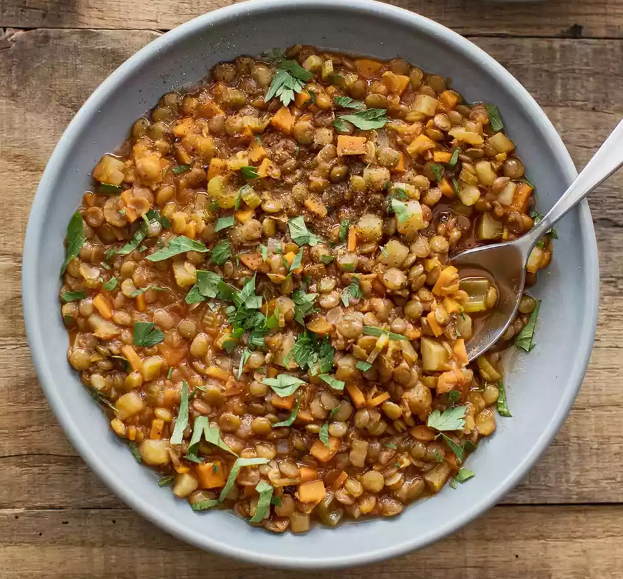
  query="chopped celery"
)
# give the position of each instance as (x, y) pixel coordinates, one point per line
(476, 288)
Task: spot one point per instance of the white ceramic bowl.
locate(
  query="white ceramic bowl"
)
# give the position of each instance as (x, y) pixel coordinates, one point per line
(540, 392)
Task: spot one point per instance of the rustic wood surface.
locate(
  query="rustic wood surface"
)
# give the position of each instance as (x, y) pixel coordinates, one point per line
(57, 520)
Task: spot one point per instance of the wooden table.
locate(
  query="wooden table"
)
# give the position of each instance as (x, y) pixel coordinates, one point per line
(58, 520)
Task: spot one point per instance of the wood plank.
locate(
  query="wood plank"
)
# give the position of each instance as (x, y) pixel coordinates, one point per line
(561, 18)
(582, 101)
(515, 543)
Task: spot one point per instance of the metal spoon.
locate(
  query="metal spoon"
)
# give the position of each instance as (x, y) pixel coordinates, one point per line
(506, 262)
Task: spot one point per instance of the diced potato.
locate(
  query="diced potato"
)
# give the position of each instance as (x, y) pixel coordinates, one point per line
(370, 228)
(109, 170)
(501, 143)
(184, 484)
(129, 404)
(155, 452)
(218, 189)
(425, 104)
(286, 345)
(414, 221)
(185, 273)
(489, 228)
(437, 477)
(485, 173)
(152, 367)
(507, 194)
(394, 253)
(461, 135)
(487, 370)
(434, 356)
(327, 69)
(103, 328)
(358, 453)
(536, 259)
(313, 63)
(468, 194)
(485, 422)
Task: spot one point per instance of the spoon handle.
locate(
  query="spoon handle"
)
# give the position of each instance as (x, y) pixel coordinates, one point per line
(606, 161)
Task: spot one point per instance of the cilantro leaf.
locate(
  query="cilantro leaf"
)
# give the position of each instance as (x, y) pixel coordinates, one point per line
(224, 223)
(75, 239)
(524, 340)
(221, 252)
(181, 422)
(494, 117)
(180, 244)
(290, 420)
(349, 103)
(538, 217)
(454, 159)
(263, 503)
(300, 234)
(284, 385)
(502, 402)
(437, 171)
(364, 120)
(249, 172)
(146, 334)
(332, 381)
(353, 291)
(450, 419)
(462, 476)
(401, 210)
(73, 296)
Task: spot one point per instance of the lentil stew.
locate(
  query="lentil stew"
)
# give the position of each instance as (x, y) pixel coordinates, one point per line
(257, 287)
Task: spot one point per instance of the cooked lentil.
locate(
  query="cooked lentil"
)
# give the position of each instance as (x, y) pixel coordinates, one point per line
(269, 278)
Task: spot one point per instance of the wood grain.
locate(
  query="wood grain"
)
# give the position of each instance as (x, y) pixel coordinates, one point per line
(555, 18)
(58, 520)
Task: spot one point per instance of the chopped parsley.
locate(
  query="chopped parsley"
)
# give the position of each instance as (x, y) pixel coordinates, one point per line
(290, 420)
(180, 169)
(146, 334)
(311, 353)
(300, 234)
(462, 476)
(450, 419)
(221, 252)
(332, 381)
(224, 223)
(235, 469)
(181, 422)
(303, 305)
(454, 159)
(352, 291)
(289, 78)
(207, 286)
(374, 331)
(135, 452)
(249, 172)
(284, 385)
(263, 504)
(110, 285)
(349, 103)
(108, 188)
(324, 429)
(401, 210)
(73, 296)
(363, 120)
(437, 171)
(344, 227)
(180, 244)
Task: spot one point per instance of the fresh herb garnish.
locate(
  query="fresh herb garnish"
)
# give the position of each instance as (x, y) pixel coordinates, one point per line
(344, 227)
(170, 373)
(309, 352)
(524, 340)
(243, 360)
(527, 182)
(180, 244)
(300, 234)
(75, 239)
(135, 452)
(110, 285)
(494, 117)
(221, 252)
(165, 481)
(263, 251)
(324, 429)
(457, 449)
(332, 381)
(374, 331)
(349, 103)
(146, 334)
(126, 363)
(437, 171)
(437, 456)
(224, 223)
(108, 188)
(289, 78)
(235, 469)
(303, 305)
(181, 422)
(327, 259)
(353, 291)
(537, 218)
(363, 120)
(206, 287)
(390, 445)
(462, 476)
(204, 505)
(450, 419)
(454, 159)
(290, 420)
(284, 385)
(502, 402)
(454, 395)
(249, 172)
(363, 366)
(401, 210)
(263, 503)
(101, 398)
(296, 262)
(73, 296)
(180, 169)
(142, 290)
(211, 434)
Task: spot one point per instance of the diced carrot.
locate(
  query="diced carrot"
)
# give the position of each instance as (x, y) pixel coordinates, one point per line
(434, 324)
(321, 452)
(131, 356)
(347, 145)
(272, 372)
(252, 260)
(191, 230)
(422, 433)
(182, 469)
(210, 475)
(521, 198)
(378, 399)
(209, 109)
(339, 481)
(451, 305)
(352, 239)
(218, 373)
(173, 356)
(446, 188)
(308, 474)
(243, 215)
(256, 152)
(316, 206)
(400, 168)
(444, 280)
(217, 167)
(141, 304)
(100, 302)
(157, 426)
(420, 145)
(268, 169)
(501, 157)
(301, 98)
(184, 128)
(312, 492)
(286, 403)
(441, 156)
(356, 395)
(460, 351)
(448, 99)
(396, 83)
(368, 68)
(130, 212)
(283, 120)
(171, 397)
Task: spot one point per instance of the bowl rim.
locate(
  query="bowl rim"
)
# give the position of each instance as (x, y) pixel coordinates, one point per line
(35, 232)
